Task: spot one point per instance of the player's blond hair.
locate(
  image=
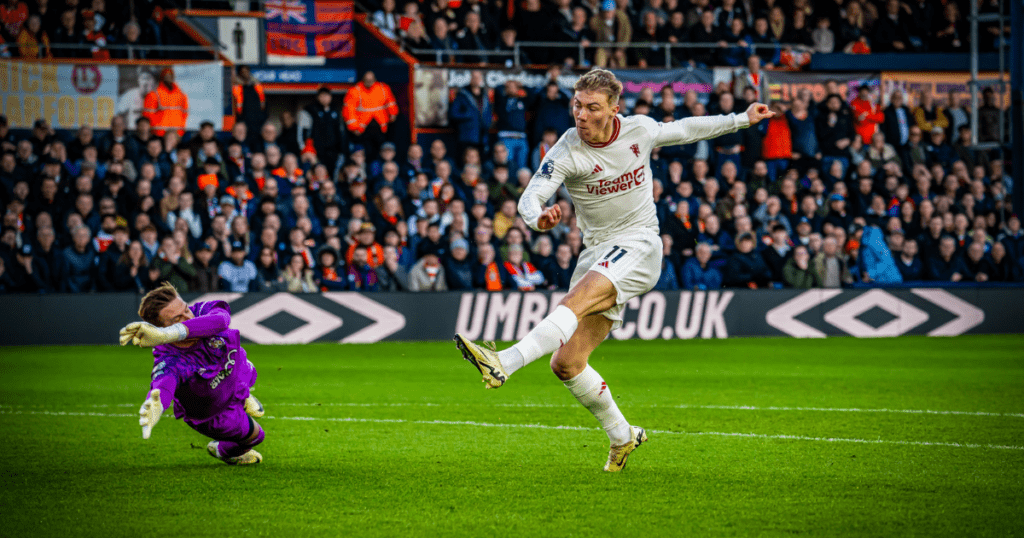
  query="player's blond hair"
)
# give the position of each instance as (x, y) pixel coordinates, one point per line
(600, 80)
(155, 301)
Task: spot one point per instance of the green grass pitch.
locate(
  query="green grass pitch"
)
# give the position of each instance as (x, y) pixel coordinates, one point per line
(402, 440)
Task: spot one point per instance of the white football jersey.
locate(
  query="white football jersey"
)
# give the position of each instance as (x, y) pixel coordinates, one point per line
(611, 184)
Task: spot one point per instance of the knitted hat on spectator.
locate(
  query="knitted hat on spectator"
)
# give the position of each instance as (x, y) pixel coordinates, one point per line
(208, 179)
(837, 198)
(608, 5)
(88, 15)
(237, 246)
(25, 250)
(227, 200)
(460, 243)
(367, 227)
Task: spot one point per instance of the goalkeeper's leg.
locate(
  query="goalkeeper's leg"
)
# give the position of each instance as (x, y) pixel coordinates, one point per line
(234, 435)
(234, 448)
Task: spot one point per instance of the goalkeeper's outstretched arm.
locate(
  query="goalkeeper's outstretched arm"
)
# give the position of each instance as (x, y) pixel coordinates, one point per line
(159, 399)
(145, 334)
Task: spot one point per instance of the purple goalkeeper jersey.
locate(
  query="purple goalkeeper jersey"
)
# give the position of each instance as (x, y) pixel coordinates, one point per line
(209, 377)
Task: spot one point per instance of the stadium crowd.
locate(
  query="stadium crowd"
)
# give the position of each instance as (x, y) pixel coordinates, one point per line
(722, 32)
(826, 194)
(88, 28)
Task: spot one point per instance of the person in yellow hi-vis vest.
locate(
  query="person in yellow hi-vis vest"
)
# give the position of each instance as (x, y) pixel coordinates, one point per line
(369, 109)
(166, 107)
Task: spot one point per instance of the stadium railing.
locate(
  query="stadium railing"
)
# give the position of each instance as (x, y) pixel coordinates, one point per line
(667, 48)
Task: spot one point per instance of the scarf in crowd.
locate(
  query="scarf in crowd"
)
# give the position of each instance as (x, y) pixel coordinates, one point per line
(525, 275)
(492, 278)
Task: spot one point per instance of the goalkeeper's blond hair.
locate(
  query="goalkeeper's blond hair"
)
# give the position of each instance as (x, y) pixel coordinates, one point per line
(155, 301)
(600, 80)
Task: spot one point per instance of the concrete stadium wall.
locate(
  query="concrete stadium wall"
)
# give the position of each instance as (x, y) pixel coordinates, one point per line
(346, 317)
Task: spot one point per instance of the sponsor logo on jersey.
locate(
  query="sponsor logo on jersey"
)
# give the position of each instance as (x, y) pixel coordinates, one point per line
(546, 169)
(158, 370)
(597, 168)
(622, 183)
(228, 367)
(636, 149)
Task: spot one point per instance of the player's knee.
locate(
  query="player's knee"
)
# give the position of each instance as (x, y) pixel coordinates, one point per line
(564, 368)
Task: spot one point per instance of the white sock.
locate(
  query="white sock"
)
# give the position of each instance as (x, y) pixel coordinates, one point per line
(591, 391)
(549, 335)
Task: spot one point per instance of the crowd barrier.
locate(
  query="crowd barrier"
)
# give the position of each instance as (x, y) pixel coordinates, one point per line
(349, 317)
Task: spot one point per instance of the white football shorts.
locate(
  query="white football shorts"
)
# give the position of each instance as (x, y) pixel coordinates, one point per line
(631, 261)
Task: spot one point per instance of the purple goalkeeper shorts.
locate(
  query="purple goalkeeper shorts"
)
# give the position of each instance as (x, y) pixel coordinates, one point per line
(232, 424)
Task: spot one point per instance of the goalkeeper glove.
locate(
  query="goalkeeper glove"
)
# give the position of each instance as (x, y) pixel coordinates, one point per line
(149, 413)
(144, 334)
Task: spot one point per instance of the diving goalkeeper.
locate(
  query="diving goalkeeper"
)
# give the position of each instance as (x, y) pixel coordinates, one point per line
(200, 366)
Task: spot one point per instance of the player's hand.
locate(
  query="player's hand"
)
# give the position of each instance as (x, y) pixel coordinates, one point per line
(143, 334)
(759, 111)
(149, 413)
(549, 218)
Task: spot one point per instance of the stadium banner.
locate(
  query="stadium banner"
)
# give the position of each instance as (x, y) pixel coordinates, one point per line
(682, 80)
(66, 95)
(310, 28)
(939, 85)
(348, 317)
(435, 86)
(785, 85)
(71, 95)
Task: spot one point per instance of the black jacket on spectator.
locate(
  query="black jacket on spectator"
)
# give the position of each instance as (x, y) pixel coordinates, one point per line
(124, 281)
(891, 126)
(887, 31)
(106, 267)
(941, 270)
(984, 265)
(468, 41)
(775, 262)
(913, 271)
(36, 282)
(1005, 271)
(459, 274)
(79, 273)
(830, 133)
(327, 132)
(743, 269)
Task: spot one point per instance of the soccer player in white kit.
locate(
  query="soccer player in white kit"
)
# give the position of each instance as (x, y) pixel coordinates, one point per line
(605, 165)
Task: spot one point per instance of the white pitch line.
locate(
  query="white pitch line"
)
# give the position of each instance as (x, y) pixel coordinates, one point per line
(714, 407)
(572, 428)
(652, 406)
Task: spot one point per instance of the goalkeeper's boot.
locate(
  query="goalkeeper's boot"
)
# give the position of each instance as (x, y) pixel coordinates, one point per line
(253, 407)
(485, 360)
(618, 454)
(248, 458)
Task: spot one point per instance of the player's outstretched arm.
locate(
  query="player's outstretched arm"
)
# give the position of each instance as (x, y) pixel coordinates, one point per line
(695, 129)
(150, 412)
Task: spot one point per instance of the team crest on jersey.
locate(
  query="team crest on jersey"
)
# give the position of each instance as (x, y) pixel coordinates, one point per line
(216, 342)
(636, 149)
(546, 169)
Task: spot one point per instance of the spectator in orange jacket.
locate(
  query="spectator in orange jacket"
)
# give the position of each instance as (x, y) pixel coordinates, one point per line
(250, 104)
(867, 116)
(368, 110)
(166, 107)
